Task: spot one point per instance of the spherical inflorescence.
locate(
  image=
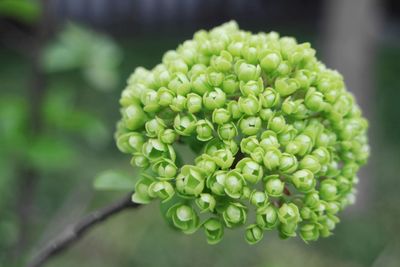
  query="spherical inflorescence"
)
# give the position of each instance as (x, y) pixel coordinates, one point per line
(278, 138)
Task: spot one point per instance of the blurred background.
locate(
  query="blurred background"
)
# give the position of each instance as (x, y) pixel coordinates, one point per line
(63, 64)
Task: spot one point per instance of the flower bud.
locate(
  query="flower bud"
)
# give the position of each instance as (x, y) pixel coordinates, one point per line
(287, 163)
(289, 213)
(223, 62)
(130, 142)
(277, 124)
(206, 202)
(249, 105)
(134, 117)
(216, 182)
(303, 180)
(204, 130)
(287, 135)
(200, 84)
(248, 144)
(154, 127)
(267, 217)
(266, 114)
(214, 78)
(250, 125)
(311, 200)
(230, 84)
(274, 186)
(269, 140)
(252, 87)
(309, 232)
(194, 103)
(205, 163)
(165, 168)
(141, 194)
(253, 234)
(286, 86)
(235, 48)
(190, 182)
(214, 230)
(139, 160)
(233, 184)
(332, 207)
(180, 84)
(221, 116)
(333, 169)
(328, 190)
(251, 170)
(270, 61)
(178, 66)
(258, 154)
(223, 158)
(167, 136)
(235, 214)
(227, 131)
(322, 154)
(184, 218)
(314, 100)
(289, 106)
(269, 98)
(154, 150)
(304, 77)
(162, 190)
(307, 213)
(185, 125)
(258, 199)
(178, 103)
(271, 158)
(234, 109)
(214, 99)
(165, 96)
(250, 54)
(304, 143)
(247, 72)
(311, 163)
(287, 230)
(150, 101)
(284, 68)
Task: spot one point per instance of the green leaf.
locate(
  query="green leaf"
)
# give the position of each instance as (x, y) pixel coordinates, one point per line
(13, 121)
(24, 10)
(50, 153)
(114, 180)
(60, 112)
(139, 199)
(97, 56)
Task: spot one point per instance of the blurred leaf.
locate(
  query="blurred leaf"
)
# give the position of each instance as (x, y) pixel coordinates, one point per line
(68, 51)
(50, 153)
(13, 119)
(8, 231)
(96, 55)
(24, 10)
(114, 180)
(102, 78)
(7, 173)
(61, 58)
(60, 111)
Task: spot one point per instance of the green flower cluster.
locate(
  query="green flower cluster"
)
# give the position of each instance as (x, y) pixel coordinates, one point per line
(275, 132)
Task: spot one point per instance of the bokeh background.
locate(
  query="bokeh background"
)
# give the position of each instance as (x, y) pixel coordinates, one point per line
(63, 64)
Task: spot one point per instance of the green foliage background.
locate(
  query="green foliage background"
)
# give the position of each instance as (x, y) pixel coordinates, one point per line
(86, 72)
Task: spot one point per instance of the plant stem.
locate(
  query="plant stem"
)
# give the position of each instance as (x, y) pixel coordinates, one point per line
(70, 236)
(29, 175)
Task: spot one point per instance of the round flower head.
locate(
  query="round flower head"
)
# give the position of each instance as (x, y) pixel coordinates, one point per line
(275, 133)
